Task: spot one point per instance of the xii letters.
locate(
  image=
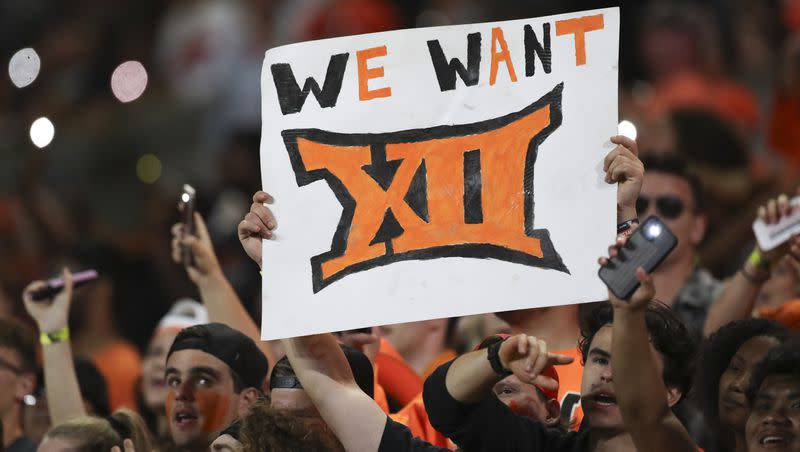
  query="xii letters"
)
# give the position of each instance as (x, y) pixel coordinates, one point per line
(453, 190)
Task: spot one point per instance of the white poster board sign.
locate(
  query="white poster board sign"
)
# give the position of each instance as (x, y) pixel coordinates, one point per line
(438, 172)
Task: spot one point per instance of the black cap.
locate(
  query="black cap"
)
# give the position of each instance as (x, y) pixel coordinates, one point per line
(283, 375)
(228, 345)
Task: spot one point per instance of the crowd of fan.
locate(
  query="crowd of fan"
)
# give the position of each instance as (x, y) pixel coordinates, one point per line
(694, 369)
(713, 88)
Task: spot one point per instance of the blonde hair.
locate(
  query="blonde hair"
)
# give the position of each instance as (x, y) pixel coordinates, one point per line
(97, 434)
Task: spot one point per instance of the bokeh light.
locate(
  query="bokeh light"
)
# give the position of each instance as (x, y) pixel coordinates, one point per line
(148, 168)
(42, 132)
(24, 66)
(627, 129)
(129, 81)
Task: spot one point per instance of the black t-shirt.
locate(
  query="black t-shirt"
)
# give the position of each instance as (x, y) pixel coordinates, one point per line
(490, 426)
(22, 444)
(397, 437)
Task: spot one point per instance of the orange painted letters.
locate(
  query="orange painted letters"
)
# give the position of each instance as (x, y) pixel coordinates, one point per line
(411, 194)
(579, 27)
(365, 74)
(502, 56)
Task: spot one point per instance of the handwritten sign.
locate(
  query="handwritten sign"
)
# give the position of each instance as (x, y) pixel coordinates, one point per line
(438, 172)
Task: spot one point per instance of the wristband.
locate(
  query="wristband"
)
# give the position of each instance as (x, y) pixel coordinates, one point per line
(757, 260)
(626, 226)
(493, 355)
(58, 336)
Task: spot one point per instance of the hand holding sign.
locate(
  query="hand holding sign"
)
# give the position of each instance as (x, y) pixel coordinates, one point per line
(257, 225)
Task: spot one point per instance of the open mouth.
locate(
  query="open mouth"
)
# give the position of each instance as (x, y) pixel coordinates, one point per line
(185, 418)
(774, 440)
(603, 399)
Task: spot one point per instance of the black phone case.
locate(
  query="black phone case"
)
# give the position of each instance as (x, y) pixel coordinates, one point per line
(639, 251)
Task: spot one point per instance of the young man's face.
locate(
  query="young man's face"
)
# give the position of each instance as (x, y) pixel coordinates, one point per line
(598, 399)
(774, 422)
(201, 400)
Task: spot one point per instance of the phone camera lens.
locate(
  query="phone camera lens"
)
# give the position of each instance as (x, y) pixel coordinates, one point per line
(652, 231)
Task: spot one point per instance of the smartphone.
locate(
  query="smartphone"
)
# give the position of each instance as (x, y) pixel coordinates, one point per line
(646, 247)
(771, 236)
(55, 285)
(188, 201)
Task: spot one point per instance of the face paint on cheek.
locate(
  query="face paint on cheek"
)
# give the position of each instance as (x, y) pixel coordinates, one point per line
(170, 403)
(515, 408)
(214, 409)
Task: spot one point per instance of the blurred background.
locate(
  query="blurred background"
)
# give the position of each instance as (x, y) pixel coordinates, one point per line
(109, 106)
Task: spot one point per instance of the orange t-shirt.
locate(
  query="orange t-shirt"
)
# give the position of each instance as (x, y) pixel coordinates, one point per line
(787, 314)
(120, 364)
(569, 388)
(397, 378)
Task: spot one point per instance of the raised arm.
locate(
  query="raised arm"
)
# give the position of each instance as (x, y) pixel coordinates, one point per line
(738, 298)
(623, 167)
(323, 371)
(63, 393)
(640, 390)
(218, 296)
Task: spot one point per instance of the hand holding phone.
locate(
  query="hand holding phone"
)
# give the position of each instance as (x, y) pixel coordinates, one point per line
(188, 201)
(646, 248)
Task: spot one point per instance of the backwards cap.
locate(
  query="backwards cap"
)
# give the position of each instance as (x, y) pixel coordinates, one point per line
(549, 371)
(228, 345)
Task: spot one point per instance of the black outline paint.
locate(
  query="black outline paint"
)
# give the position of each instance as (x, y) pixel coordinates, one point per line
(473, 187)
(551, 259)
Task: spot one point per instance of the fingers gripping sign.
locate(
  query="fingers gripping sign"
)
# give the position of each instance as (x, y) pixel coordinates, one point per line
(258, 224)
(527, 357)
(623, 167)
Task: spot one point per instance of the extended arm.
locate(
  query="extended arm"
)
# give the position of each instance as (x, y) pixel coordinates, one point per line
(640, 390)
(738, 298)
(216, 292)
(63, 393)
(323, 371)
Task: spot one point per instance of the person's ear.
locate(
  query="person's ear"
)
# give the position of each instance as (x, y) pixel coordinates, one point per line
(553, 413)
(247, 398)
(674, 395)
(699, 226)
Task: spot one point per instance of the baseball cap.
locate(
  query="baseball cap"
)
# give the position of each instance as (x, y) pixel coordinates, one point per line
(549, 371)
(228, 345)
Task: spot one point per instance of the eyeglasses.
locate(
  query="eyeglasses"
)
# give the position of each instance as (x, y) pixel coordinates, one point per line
(668, 207)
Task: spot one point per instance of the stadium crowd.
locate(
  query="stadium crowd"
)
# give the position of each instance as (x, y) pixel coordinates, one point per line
(162, 354)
